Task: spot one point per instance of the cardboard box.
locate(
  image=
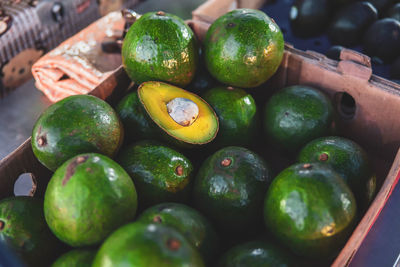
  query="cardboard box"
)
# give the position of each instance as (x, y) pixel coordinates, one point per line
(373, 122)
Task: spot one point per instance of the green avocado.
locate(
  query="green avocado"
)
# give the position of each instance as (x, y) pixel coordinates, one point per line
(237, 115)
(230, 188)
(311, 210)
(160, 47)
(257, 254)
(243, 48)
(160, 173)
(24, 229)
(295, 115)
(76, 257)
(137, 123)
(77, 124)
(142, 245)
(87, 198)
(346, 158)
(191, 223)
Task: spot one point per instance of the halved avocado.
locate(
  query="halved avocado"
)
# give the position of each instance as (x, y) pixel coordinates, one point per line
(181, 114)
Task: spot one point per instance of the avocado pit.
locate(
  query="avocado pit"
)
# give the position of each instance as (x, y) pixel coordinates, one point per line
(183, 111)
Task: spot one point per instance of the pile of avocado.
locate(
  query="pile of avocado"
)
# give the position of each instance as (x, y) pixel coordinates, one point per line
(167, 178)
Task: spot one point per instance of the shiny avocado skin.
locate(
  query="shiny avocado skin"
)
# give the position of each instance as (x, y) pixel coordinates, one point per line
(318, 214)
(160, 47)
(153, 167)
(75, 125)
(348, 159)
(231, 196)
(296, 115)
(25, 231)
(76, 257)
(191, 223)
(139, 244)
(237, 114)
(237, 48)
(137, 123)
(256, 254)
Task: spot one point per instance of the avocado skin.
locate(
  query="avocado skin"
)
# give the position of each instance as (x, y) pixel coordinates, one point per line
(334, 52)
(237, 115)
(257, 254)
(243, 48)
(87, 198)
(139, 244)
(382, 5)
(191, 223)
(394, 12)
(76, 257)
(160, 48)
(26, 232)
(152, 166)
(232, 197)
(349, 160)
(382, 39)
(318, 214)
(350, 23)
(77, 124)
(295, 115)
(137, 123)
(309, 18)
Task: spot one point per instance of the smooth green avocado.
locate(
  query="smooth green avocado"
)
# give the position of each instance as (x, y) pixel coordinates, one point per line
(348, 159)
(160, 47)
(243, 48)
(77, 124)
(191, 223)
(237, 115)
(87, 198)
(160, 173)
(311, 210)
(76, 258)
(142, 245)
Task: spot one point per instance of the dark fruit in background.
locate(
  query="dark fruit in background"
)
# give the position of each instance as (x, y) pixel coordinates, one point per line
(76, 257)
(349, 24)
(77, 124)
(309, 17)
(160, 47)
(243, 48)
(394, 12)
(24, 229)
(311, 210)
(237, 115)
(395, 69)
(257, 253)
(88, 197)
(139, 244)
(230, 188)
(191, 223)
(381, 5)
(160, 173)
(295, 115)
(348, 159)
(382, 39)
(334, 52)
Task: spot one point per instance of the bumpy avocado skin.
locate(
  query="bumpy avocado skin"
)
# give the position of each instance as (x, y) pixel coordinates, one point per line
(257, 254)
(295, 115)
(87, 198)
(243, 48)
(160, 47)
(311, 210)
(191, 223)
(76, 257)
(139, 244)
(348, 159)
(154, 170)
(77, 124)
(24, 230)
(231, 196)
(237, 115)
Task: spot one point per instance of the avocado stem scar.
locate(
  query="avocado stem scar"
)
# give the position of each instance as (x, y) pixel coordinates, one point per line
(323, 157)
(42, 141)
(2, 224)
(226, 162)
(157, 219)
(160, 13)
(179, 170)
(183, 111)
(173, 244)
